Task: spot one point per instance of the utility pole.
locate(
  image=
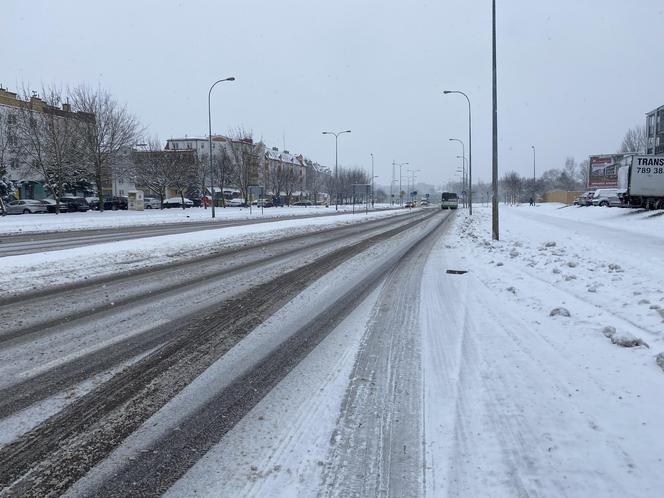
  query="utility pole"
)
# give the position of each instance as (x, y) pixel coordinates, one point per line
(372, 181)
(336, 164)
(494, 164)
(400, 187)
(392, 186)
(232, 78)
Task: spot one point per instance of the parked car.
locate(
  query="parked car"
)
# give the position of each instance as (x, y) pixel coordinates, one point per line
(424, 202)
(93, 202)
(303, 203)
(151, 203)
(116, 202)
(50, 206)
(585, 199)
(176, 202)
(606, 197)
(237, 202)
(266, 203)
(75, 203)
(410, 204)
(26, 206)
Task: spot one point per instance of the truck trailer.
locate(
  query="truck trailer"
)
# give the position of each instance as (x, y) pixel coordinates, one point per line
(641, 181)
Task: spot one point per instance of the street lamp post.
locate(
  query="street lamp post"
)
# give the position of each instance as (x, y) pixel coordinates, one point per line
(534, 176)
(400, 188)
(470, 151)
(463, 153)
(372, 182)
(411, 174)
(232, 78)
(495, 222)
(336, 164)
(463, 163)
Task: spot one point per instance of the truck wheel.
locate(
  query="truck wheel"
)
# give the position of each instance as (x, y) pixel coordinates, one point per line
(660, 204)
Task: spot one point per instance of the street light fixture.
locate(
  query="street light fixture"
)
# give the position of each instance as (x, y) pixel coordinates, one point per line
(232, 78)
(470, 150)
(336, 163)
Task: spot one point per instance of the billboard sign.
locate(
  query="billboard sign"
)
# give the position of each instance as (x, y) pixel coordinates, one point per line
(603, 171)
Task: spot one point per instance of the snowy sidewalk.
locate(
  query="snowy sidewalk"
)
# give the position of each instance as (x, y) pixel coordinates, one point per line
(519, 402)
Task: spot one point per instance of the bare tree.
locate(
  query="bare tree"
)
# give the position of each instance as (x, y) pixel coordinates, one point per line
(223, 171)
(103, 137)
(290, 180)
(274, 179)
(582, 176)
(512, 186)
(245, 158)
(634, 140)
(316, 178)
(181, 170)
(7, 142)
(151, 169)
(48, 139)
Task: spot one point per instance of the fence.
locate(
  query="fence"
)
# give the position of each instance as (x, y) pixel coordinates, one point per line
(560, 196)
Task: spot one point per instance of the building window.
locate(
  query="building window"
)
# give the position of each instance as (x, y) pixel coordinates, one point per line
(11, 119)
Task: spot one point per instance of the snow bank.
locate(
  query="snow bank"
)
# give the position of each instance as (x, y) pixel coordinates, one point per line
(29, 223)
(40, 270)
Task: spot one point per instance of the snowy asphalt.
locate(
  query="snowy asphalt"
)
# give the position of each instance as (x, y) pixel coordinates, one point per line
(136, 324)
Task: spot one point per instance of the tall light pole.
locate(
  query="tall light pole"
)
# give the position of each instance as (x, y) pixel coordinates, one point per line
(372, 181)
(470, 150)
(232, 78)
(400, 196)
(463, 153)
(494, 163)
(463, 163)
(336, 163)
(534, 177)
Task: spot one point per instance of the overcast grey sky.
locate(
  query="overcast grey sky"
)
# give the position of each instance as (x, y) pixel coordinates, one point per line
(573, 75)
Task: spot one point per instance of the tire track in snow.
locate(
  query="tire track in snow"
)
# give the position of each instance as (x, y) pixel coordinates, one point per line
(377, 449)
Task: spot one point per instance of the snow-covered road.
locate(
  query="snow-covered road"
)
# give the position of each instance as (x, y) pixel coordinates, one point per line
(534, 373)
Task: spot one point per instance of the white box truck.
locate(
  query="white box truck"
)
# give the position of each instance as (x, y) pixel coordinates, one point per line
(641, 181)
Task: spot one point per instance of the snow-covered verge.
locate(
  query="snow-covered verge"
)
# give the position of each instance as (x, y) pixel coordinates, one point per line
(31, 223)
(593, 258)
(544, 377)
(39, 270)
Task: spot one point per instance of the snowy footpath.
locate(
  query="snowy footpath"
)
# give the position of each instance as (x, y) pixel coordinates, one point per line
(541, 363)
